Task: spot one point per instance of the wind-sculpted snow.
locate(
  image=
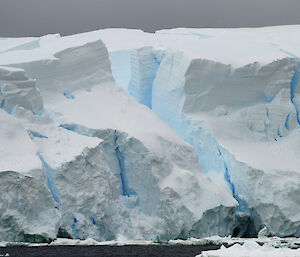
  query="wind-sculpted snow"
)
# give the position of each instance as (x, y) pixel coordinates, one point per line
(13, 44)
(112, 167)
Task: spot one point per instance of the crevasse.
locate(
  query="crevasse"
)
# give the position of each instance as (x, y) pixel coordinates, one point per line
(294, 85)
(126, 191)
(144, 66)
(50, 175)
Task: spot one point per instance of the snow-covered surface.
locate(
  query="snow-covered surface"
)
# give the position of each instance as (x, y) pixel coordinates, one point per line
(236, 47)
(13, 44)
(239, 47)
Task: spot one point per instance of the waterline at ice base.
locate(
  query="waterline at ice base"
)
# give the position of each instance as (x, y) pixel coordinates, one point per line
(119, 134)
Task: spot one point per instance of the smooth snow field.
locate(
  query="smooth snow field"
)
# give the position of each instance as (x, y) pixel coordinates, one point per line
(119, 135)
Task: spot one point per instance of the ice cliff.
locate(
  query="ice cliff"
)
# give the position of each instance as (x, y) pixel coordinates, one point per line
(100, 129)
(233, 94)
(80, 158)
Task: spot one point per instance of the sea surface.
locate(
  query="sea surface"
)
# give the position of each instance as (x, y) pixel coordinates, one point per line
(99, 251)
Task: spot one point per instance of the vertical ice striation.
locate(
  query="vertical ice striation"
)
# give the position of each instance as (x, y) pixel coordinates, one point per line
(126, 191)
(144, 66)
(295, 97)
(120, 66)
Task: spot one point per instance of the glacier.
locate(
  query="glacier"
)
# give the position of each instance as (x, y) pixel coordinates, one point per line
(152, 136)
(107, 165)
(236, 104)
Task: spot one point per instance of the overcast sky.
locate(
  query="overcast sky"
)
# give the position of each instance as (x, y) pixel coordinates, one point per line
(38, 17)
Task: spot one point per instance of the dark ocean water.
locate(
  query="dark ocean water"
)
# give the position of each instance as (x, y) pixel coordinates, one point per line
(99, 251)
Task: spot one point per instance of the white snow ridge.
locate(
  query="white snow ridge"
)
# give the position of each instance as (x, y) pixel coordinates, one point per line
(177, 134)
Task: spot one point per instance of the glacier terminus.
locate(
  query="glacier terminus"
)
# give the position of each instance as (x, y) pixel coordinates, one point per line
(182, 133)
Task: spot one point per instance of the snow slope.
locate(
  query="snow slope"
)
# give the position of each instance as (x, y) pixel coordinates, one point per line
(112, 167)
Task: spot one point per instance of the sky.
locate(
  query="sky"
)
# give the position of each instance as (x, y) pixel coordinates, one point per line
(39, 17)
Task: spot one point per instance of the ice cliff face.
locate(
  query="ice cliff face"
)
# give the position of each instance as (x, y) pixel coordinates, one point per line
(98, 163)
(147, 169)
(117, 168)
(239, 113)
